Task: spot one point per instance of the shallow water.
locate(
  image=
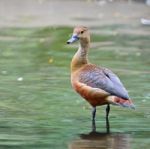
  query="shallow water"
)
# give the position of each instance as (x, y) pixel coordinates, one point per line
(40, 110)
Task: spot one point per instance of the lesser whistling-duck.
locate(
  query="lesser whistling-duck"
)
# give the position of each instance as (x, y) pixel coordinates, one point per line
(98, 85)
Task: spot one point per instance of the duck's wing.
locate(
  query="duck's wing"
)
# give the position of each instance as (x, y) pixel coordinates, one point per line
(104, 79)
(118, 87)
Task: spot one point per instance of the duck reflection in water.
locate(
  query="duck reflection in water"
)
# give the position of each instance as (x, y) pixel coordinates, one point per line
(101, 140)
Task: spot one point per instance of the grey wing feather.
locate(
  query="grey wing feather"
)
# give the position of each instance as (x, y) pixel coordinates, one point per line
(118, 88)
(104, 79)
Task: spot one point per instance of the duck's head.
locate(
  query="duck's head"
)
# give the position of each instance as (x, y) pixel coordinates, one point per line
(80, 33)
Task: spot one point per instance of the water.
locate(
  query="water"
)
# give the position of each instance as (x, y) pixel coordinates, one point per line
(39, 109)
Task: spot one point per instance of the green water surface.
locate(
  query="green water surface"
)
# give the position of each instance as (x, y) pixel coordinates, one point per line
(40, 110)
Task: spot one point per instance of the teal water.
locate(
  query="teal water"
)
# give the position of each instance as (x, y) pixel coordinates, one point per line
(39, 109)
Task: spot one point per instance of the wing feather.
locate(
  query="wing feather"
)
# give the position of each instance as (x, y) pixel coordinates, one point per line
(104, 79)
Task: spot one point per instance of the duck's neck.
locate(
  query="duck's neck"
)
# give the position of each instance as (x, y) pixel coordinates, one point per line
(81, 56)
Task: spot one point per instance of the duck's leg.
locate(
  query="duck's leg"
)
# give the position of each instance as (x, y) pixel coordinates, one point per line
(107, 110)
(93, 119)
(107, 119)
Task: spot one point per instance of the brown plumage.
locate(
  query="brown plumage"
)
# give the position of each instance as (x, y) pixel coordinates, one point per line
(97, 85)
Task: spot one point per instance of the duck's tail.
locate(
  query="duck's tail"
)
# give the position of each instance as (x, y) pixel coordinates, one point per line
(127, 103)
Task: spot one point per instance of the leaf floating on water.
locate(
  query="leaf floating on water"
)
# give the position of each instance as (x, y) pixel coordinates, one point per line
(50, 60)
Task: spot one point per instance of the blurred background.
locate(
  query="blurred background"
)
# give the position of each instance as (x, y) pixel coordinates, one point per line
(38, 107)
(35, 13)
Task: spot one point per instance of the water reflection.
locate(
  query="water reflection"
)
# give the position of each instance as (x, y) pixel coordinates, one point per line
(105, 140)
(97, 140)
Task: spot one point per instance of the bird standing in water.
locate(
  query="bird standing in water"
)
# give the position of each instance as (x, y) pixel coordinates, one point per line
(97, 85)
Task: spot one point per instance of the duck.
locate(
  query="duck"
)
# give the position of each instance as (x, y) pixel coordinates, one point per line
(97, 85)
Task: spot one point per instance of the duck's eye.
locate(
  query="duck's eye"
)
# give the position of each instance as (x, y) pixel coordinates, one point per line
(82, 32)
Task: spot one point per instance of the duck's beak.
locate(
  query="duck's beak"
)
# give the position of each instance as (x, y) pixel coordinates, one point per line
(73, 39)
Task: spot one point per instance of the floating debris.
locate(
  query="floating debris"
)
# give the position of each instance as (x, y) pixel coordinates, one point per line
(20, 79)
(148, 2)
(4, 72)
(143, 100)
(145, 21)
(101, 2)
(138, 54)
